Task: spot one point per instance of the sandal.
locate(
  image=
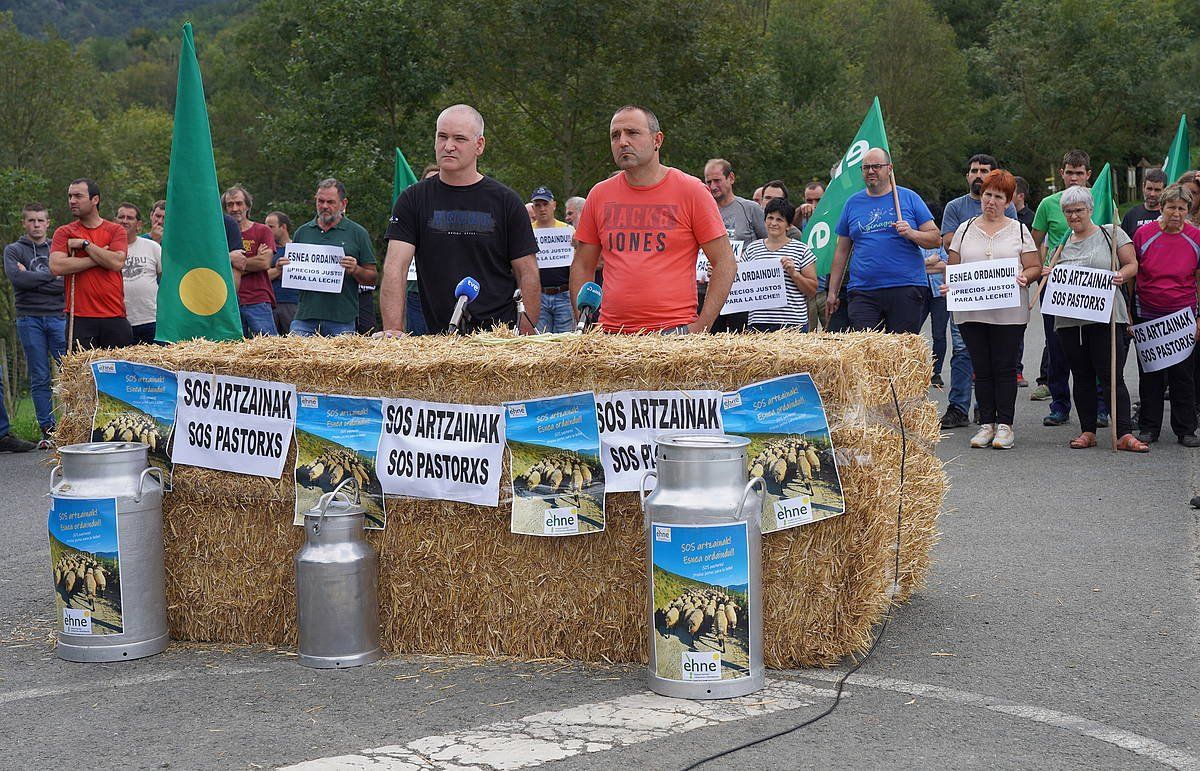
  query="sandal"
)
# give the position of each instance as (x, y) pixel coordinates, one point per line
(1131, 443)
(1083, 441)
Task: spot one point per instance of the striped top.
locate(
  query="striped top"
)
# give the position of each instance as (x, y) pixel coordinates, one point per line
(795, 313)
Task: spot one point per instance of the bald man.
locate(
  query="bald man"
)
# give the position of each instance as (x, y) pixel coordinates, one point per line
(886, 287)
(456, 224)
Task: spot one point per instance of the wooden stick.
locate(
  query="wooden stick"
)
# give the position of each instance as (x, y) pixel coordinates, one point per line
(895, 195)
(1112, 337)
(71, 317)
(1042, 283)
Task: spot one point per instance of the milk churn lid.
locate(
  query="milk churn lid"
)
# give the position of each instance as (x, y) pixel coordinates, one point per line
(700, 447)
(104, 448)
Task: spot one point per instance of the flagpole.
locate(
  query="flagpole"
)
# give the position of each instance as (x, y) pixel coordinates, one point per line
(1042, 284)
(895, 195)
(1112, 332)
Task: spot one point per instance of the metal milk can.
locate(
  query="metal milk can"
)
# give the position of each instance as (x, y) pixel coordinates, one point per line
(106, 552)
(704, 561)
(337, 595)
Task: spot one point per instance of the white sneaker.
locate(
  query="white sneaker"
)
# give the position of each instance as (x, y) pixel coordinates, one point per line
(986, 433)
(1004, 437)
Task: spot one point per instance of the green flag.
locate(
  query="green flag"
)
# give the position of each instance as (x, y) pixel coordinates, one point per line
(847, 180)
(1102, 197)
(1179, 157)
(402, 177)
(196, 297)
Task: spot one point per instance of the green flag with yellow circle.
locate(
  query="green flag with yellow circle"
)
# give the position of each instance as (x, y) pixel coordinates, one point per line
(196, 296)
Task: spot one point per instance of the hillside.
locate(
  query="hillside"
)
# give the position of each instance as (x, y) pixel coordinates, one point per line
(76, 20)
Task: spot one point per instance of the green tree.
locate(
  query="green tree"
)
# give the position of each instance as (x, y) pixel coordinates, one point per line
(1082, 74)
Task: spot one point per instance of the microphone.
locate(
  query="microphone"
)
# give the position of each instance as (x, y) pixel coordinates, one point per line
(466, 291)
(588, 304)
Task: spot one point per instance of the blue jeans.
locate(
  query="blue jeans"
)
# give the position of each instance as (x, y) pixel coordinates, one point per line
(3, 412)
(961, 372)
(414, 315)
(556, 314)
(322, 327)
(41, 337)
(258, 319)
(939, 317)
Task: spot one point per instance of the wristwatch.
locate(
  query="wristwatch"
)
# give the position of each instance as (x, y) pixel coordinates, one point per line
(86, 244)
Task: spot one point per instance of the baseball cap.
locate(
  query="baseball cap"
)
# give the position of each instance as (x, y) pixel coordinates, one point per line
(542, 194)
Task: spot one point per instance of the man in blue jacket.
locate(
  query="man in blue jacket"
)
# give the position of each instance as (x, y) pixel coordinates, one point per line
(38, 295)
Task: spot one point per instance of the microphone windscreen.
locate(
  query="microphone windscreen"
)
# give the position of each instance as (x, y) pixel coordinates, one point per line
(468, 288)
(589, 296)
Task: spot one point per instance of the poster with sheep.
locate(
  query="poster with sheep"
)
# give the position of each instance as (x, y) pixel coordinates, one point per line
(701, 590)
(85, 560)
(790, 448)
(336, 441)
(136, 403)
(557, 477)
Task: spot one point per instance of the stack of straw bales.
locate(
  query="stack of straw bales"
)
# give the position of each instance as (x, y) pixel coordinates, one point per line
(454, 580)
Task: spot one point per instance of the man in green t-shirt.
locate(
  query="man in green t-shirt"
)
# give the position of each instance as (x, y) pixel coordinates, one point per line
(1050, 230)
(333, 313)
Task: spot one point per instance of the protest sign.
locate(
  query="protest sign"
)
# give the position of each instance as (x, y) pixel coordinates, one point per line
(233, 423)
(983, 286)
(85, 559)
(554, 247)
(136, 403)
(1079, 293)
(443, 451)
(631, 420)
(790, 448)
(758, 285)
(313, 267)
(557, 477)
(703, 265)
(1166, 341)
(336, 440)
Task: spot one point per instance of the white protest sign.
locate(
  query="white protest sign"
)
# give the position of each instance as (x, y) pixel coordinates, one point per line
(233, 423)
(1164, 342)
(554, 247)
(630, 421)
(758, 285)
(448, 452)
(983, 286)
(1079, 293)
(703, 265)
(313, 267)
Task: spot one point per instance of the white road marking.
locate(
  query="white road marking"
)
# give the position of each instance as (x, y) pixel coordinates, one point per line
(548, 736)
(1126, 740)
(91, 686)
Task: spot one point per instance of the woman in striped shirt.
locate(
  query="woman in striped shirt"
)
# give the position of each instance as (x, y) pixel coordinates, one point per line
(799, 267)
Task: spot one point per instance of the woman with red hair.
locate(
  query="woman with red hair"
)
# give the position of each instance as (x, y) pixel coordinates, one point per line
(993, 337)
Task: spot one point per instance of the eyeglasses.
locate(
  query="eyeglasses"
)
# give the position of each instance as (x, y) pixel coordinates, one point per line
(874, 166)
(1075, 212)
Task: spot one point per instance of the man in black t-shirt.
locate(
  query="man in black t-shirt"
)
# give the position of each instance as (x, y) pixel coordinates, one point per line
(460, 223)
(1149, 210)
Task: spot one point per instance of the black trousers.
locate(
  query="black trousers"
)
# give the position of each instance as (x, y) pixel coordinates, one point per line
(995, 350)
(894, 309)
(1087, 351)
(1151, 389)
(102, 333)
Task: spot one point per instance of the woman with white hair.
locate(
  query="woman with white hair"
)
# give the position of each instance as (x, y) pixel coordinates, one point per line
(1085, 343)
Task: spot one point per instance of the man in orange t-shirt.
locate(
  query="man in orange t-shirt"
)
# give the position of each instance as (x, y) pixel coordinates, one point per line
(91, 251)
(649, 222)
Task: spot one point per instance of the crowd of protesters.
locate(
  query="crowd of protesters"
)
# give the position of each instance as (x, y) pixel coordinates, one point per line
(639, 233)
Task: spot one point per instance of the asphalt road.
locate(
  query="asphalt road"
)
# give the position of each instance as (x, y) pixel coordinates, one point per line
(1059, 629)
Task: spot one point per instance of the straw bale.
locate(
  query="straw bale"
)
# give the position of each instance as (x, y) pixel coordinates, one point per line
(454, 580)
